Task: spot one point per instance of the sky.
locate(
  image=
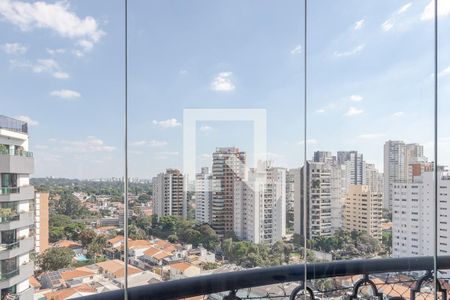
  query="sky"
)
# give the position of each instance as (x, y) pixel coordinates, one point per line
(369, 63)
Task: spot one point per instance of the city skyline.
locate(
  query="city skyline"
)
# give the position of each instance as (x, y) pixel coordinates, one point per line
(74, 99)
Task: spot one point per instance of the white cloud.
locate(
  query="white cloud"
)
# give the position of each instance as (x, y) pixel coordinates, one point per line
(65, 94)
(353, 111)
(150, 143)
(309, 142)
(445, 72)
(297, 50)
(169, 123)
(359, 24)
(223, 82)
(206, 128)
(356, 98)
(91, 144)
(56, 51)
(371, 136)
(54, 16)
(86, 45)
(183, 72)
(388, 24)
(354, 51)
(14, 48)
(47, 65)
(78, 53)
(27, 119)
(398, 114)
(61, 75)
(404, 7)
(321, 110)
(394, 18)
(443, 10)
(44, 65)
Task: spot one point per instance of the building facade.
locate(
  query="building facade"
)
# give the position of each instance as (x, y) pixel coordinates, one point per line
(203, 196)
(16, 209)
(41, 222)
(169, 196)
(413, 216)
(399, 161)
(229, 166)
(260, 205)
(363, 210)
(315, 205)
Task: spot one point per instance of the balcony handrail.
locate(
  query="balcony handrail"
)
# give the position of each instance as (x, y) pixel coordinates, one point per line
(10, 246)
(10, 274)
(232, 281)
(21, 153)
(6, 190)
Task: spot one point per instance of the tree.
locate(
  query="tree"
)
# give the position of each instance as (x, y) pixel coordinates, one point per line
(68, 205)
(55, 258)
(135, 232)
(96, 247)
(86, 237)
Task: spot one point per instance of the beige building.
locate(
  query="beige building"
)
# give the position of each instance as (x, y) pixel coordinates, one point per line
(169, 197)
(41, 222)
(363, 210)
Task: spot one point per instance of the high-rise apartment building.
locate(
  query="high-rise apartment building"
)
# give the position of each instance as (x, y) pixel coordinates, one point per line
(169, 196)
(203, 196)
(229, 166)
(413, 216)
(41, 222)
(363, 210)
(316, 204)
(338, 187)
(290, 193)
(16, 209)
(322, 156)
(354, 164)
(260, 205)
(374, 179)
(399, 161)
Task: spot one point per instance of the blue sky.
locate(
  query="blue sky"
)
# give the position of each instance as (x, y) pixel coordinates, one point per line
(370, 78)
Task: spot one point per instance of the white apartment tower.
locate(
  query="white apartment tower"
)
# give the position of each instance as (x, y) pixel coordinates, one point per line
(169, 196)
(229, 166)
(363, 210)
(413, 216)
(354, 164)
(260, 205)
(398, 158)
(317, 201)
(203, 196)
(16, 210)
(290, 191)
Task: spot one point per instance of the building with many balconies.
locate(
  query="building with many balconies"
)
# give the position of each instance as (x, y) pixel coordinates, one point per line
(16, 210)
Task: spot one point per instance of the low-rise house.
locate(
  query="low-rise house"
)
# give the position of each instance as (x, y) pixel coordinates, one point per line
(115, 269)
(138, 279)
(183, 270)
(69, 293)
(66, 278)
(76, 247)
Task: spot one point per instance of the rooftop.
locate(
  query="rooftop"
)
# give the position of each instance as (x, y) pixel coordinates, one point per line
(12, 124)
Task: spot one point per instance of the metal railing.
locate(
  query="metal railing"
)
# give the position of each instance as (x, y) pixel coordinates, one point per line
(9, 274)
(10, 246)
(9, 190)
(10, 218)
(13, 124)
(21, 153)
(371, 278)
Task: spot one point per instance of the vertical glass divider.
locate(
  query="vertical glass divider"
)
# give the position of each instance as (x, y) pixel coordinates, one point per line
(125, 180)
